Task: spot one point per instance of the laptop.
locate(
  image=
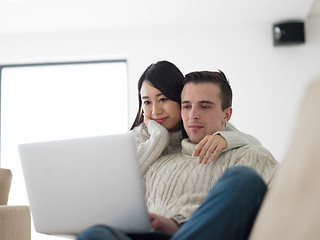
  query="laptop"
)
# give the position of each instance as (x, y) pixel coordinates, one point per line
(74, 184)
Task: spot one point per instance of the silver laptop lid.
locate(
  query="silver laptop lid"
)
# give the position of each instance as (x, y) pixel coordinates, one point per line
(76, 183)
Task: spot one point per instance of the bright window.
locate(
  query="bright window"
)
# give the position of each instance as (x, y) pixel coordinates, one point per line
(58, 101)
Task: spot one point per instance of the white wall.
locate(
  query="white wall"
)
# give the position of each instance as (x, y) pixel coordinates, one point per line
(267, 81)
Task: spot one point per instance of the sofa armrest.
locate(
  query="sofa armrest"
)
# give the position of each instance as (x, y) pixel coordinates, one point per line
(5, 183)
(15, 223)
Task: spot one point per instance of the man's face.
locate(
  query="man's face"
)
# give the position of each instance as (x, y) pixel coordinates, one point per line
(201, 110)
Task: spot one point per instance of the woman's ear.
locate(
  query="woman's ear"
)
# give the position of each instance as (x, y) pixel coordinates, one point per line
(227, 114)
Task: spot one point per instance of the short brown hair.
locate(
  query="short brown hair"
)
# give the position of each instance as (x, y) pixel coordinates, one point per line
(213, 77)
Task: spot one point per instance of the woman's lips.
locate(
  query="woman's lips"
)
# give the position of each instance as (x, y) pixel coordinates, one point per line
(160, 120)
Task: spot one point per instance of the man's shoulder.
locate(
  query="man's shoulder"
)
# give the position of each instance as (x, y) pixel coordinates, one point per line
(256, 157)
(257, 148)
(251, 150)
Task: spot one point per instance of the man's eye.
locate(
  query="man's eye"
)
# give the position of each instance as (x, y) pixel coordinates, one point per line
(185, 107)
(204, 106)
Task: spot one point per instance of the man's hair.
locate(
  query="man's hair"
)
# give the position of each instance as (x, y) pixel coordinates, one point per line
(216, 78)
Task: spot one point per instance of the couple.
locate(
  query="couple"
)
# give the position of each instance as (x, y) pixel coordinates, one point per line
(185, 198)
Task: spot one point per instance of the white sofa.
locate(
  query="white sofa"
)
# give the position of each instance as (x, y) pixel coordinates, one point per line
(291, 209)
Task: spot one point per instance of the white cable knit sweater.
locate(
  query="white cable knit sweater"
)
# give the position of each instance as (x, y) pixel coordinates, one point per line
(174, 181)
(177, 184)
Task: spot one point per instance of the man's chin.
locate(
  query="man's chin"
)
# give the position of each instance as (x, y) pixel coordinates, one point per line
(195, 136)
(194, 140)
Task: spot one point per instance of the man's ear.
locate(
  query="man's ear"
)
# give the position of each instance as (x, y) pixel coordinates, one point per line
(227, 114)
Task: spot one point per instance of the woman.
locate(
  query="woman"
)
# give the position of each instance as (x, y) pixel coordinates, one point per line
(158, 124)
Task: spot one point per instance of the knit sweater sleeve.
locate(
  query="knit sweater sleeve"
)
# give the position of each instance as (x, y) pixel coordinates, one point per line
(151, 141)
(236, 139)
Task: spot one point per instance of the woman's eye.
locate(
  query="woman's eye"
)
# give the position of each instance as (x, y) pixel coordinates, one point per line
(146, 102)
(163, 99)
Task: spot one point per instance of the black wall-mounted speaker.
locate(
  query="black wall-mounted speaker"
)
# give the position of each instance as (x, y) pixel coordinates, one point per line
(288, 33)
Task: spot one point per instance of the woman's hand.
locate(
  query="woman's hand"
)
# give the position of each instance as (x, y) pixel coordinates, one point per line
(164, 224)
(210, 145)
(146, 119)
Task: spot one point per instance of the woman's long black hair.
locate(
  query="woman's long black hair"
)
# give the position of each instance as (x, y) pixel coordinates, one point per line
(164, 76)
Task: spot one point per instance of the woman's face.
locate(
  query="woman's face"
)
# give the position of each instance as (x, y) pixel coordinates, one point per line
(158, 107)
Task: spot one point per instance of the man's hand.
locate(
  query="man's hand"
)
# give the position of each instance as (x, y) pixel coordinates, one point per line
(163, 224)
(210, 144)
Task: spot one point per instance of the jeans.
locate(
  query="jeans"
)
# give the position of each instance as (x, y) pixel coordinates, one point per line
(228, 212)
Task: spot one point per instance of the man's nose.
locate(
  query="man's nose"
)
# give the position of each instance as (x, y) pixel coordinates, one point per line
(194, 113)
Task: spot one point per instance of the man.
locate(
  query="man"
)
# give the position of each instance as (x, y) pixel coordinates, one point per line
(178, 185)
